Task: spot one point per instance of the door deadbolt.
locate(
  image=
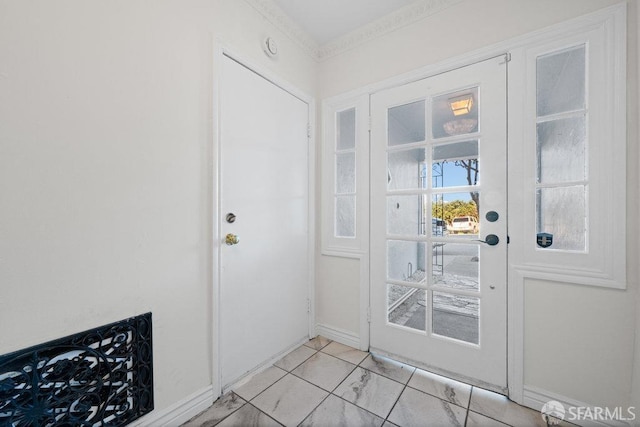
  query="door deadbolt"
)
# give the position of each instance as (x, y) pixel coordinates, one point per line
(231, 218)
(492, 216)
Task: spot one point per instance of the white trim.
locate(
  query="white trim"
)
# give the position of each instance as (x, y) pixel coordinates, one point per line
(393, 21)
(329, 242)
(603, 262)
(339, 335)
(276, 16)
(364, 304)
(222, 49)
(591, 20)
(181, 411)
(243, 379)
(535, 398)
(312, 217)
(402, 17)
(342, 253)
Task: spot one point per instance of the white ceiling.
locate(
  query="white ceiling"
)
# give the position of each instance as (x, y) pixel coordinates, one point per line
(326, 20)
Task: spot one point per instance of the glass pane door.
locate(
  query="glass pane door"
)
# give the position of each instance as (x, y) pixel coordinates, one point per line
(438, 168)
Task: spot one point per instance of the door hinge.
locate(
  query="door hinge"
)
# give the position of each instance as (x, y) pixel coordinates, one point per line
(369, 314)
(369, 124)
(309, 131)
(308, 305)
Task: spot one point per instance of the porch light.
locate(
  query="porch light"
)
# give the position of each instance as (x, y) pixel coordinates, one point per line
(461, 104)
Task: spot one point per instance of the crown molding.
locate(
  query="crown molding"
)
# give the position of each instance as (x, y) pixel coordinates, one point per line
(274, 14)
(400, 18)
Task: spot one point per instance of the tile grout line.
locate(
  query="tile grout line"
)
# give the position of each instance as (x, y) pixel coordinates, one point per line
(262, 412)
(331, 392)
(246, 402)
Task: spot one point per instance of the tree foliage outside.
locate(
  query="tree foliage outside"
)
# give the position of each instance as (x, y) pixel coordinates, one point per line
(449, 210)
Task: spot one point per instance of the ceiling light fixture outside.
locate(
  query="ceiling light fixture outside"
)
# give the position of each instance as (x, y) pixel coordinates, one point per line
(461, 105)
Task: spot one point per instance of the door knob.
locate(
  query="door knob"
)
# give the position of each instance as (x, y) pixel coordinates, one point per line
(490, 240)
(231, 239)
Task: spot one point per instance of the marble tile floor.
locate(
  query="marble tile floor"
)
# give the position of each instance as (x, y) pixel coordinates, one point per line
(325, 383)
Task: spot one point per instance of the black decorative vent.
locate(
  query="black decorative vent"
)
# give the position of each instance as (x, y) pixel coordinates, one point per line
(100, 377)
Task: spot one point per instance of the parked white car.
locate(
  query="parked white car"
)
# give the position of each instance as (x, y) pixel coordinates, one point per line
(464, 225)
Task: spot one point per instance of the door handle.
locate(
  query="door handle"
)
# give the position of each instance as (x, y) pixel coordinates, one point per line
(231, 239)
(490, 240)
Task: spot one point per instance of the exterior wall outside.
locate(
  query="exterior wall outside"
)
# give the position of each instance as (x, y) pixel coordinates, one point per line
(106, 169)
(579, 341)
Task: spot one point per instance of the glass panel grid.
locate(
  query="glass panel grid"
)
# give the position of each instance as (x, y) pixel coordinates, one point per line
(345, 174)
(429, 261)
(345, 216)
(561, 188)
(455, 113)
(560, 81)
(456, 316)
(407, 306)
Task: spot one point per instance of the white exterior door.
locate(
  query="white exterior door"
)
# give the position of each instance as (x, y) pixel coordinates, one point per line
(438, 190)
(264, 201)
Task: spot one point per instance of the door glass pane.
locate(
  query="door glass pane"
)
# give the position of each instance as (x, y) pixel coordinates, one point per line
(456, 266)
(407, 169)
(456, 316)
(455, 113)
(345, 216)
(345, 173)
(561, 150)
(406, 123)
(407, 307)
(406, 214)
(405, 260)
(346, 124)
(459, 211)
(560, 81)
(455, 165)
(562, 213)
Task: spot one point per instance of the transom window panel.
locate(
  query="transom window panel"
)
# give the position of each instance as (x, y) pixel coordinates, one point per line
(345, 174)
(562, 176)
(567, 180)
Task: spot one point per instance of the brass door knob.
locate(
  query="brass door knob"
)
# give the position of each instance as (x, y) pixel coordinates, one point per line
(231, 239)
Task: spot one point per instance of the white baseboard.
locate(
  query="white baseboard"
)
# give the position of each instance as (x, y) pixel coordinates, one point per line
(339, 335)
(535, 398)
(244, 378)
(180, 412)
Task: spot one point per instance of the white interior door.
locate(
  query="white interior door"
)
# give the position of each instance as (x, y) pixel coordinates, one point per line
(264, 277)
(438, 187)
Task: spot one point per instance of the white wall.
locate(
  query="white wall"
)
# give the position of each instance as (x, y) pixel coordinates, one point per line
(579, 341)
(105, 169)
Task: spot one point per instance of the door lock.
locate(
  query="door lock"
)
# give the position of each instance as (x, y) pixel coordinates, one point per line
(231, 239)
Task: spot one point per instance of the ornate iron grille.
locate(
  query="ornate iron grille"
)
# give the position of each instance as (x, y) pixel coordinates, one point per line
(100, 377)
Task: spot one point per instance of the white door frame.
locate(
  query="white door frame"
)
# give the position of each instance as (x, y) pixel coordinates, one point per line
(221, 50)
